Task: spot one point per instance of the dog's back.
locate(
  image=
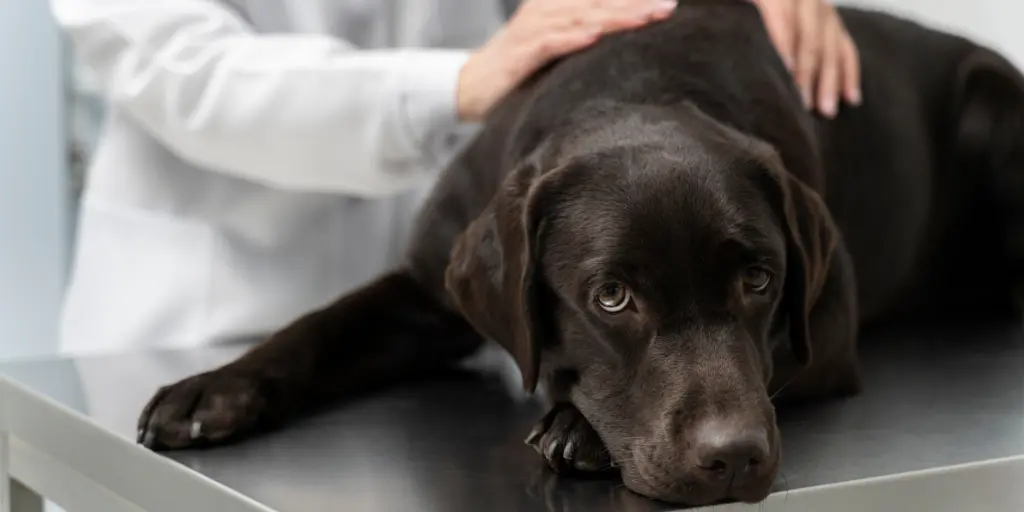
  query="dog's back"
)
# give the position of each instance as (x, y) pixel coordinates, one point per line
(888, 169)
(916, 213)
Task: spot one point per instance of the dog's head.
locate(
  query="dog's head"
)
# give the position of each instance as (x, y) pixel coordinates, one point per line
(651, 271)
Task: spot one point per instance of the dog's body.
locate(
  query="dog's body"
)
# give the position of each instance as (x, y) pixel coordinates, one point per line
(924, 189)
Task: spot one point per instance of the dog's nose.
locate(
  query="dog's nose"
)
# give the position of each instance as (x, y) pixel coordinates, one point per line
(729, 448)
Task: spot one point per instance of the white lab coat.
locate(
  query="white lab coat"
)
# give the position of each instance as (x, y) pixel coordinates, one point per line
(259, 158)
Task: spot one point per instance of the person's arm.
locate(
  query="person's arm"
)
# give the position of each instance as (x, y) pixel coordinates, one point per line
(311, 112)
(299, 112)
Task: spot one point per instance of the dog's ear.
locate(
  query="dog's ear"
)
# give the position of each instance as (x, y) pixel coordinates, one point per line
(811, 240)
(493, 274)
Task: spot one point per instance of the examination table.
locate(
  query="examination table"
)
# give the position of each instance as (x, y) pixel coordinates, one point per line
(939, 426)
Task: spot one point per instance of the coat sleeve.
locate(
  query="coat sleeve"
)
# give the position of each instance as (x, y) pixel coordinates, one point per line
(291, 111)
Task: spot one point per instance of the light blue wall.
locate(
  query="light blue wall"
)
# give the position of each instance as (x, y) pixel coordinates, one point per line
(34, 206)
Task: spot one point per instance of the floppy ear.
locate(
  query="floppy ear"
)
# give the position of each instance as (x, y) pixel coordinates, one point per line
(811, 239)
(492, 274)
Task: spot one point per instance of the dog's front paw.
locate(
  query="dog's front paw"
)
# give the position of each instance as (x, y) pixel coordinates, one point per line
(568, 443)
(204, 410)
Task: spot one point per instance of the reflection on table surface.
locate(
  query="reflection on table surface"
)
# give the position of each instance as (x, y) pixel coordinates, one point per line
(455, 443)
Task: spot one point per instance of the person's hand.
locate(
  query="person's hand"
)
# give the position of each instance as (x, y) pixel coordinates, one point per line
(814, 44)
(539, 31)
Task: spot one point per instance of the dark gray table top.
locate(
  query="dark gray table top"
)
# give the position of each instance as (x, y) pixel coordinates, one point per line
(932, 399)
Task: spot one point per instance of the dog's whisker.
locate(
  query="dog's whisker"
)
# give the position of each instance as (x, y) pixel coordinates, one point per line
(785, 486)
(777, 391)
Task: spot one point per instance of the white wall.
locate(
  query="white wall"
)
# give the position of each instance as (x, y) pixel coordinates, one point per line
(33, 192)
(994, 22)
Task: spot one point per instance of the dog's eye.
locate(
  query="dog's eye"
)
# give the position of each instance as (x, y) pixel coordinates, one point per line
(613, 297)
(757, 279)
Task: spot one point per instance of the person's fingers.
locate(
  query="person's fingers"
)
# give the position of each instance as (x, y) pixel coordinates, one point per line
(851, 70)
(828, 86)
(541, 30)
(554, 44)
(778, 20)
(554, 29)
(808, 47)
(615, 15)
(662, 9)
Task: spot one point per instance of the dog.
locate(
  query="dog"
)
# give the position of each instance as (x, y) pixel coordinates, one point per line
(658, 231)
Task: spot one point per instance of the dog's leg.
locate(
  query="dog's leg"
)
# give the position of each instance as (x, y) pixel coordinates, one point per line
(387, 331)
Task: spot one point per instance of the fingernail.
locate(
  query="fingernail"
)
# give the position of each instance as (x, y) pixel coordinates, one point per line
(855, 97)
(828, 107)
(665, 6)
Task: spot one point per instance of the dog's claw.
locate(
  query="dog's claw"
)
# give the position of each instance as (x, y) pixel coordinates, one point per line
(535, 434)
(551, 450)
(568, 443)
(570, 449)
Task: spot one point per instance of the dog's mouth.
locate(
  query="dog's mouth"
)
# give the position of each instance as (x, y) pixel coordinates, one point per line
(694, 493)
(672, 480)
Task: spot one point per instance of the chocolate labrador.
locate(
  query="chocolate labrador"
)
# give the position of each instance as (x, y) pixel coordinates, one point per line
(659, 231)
